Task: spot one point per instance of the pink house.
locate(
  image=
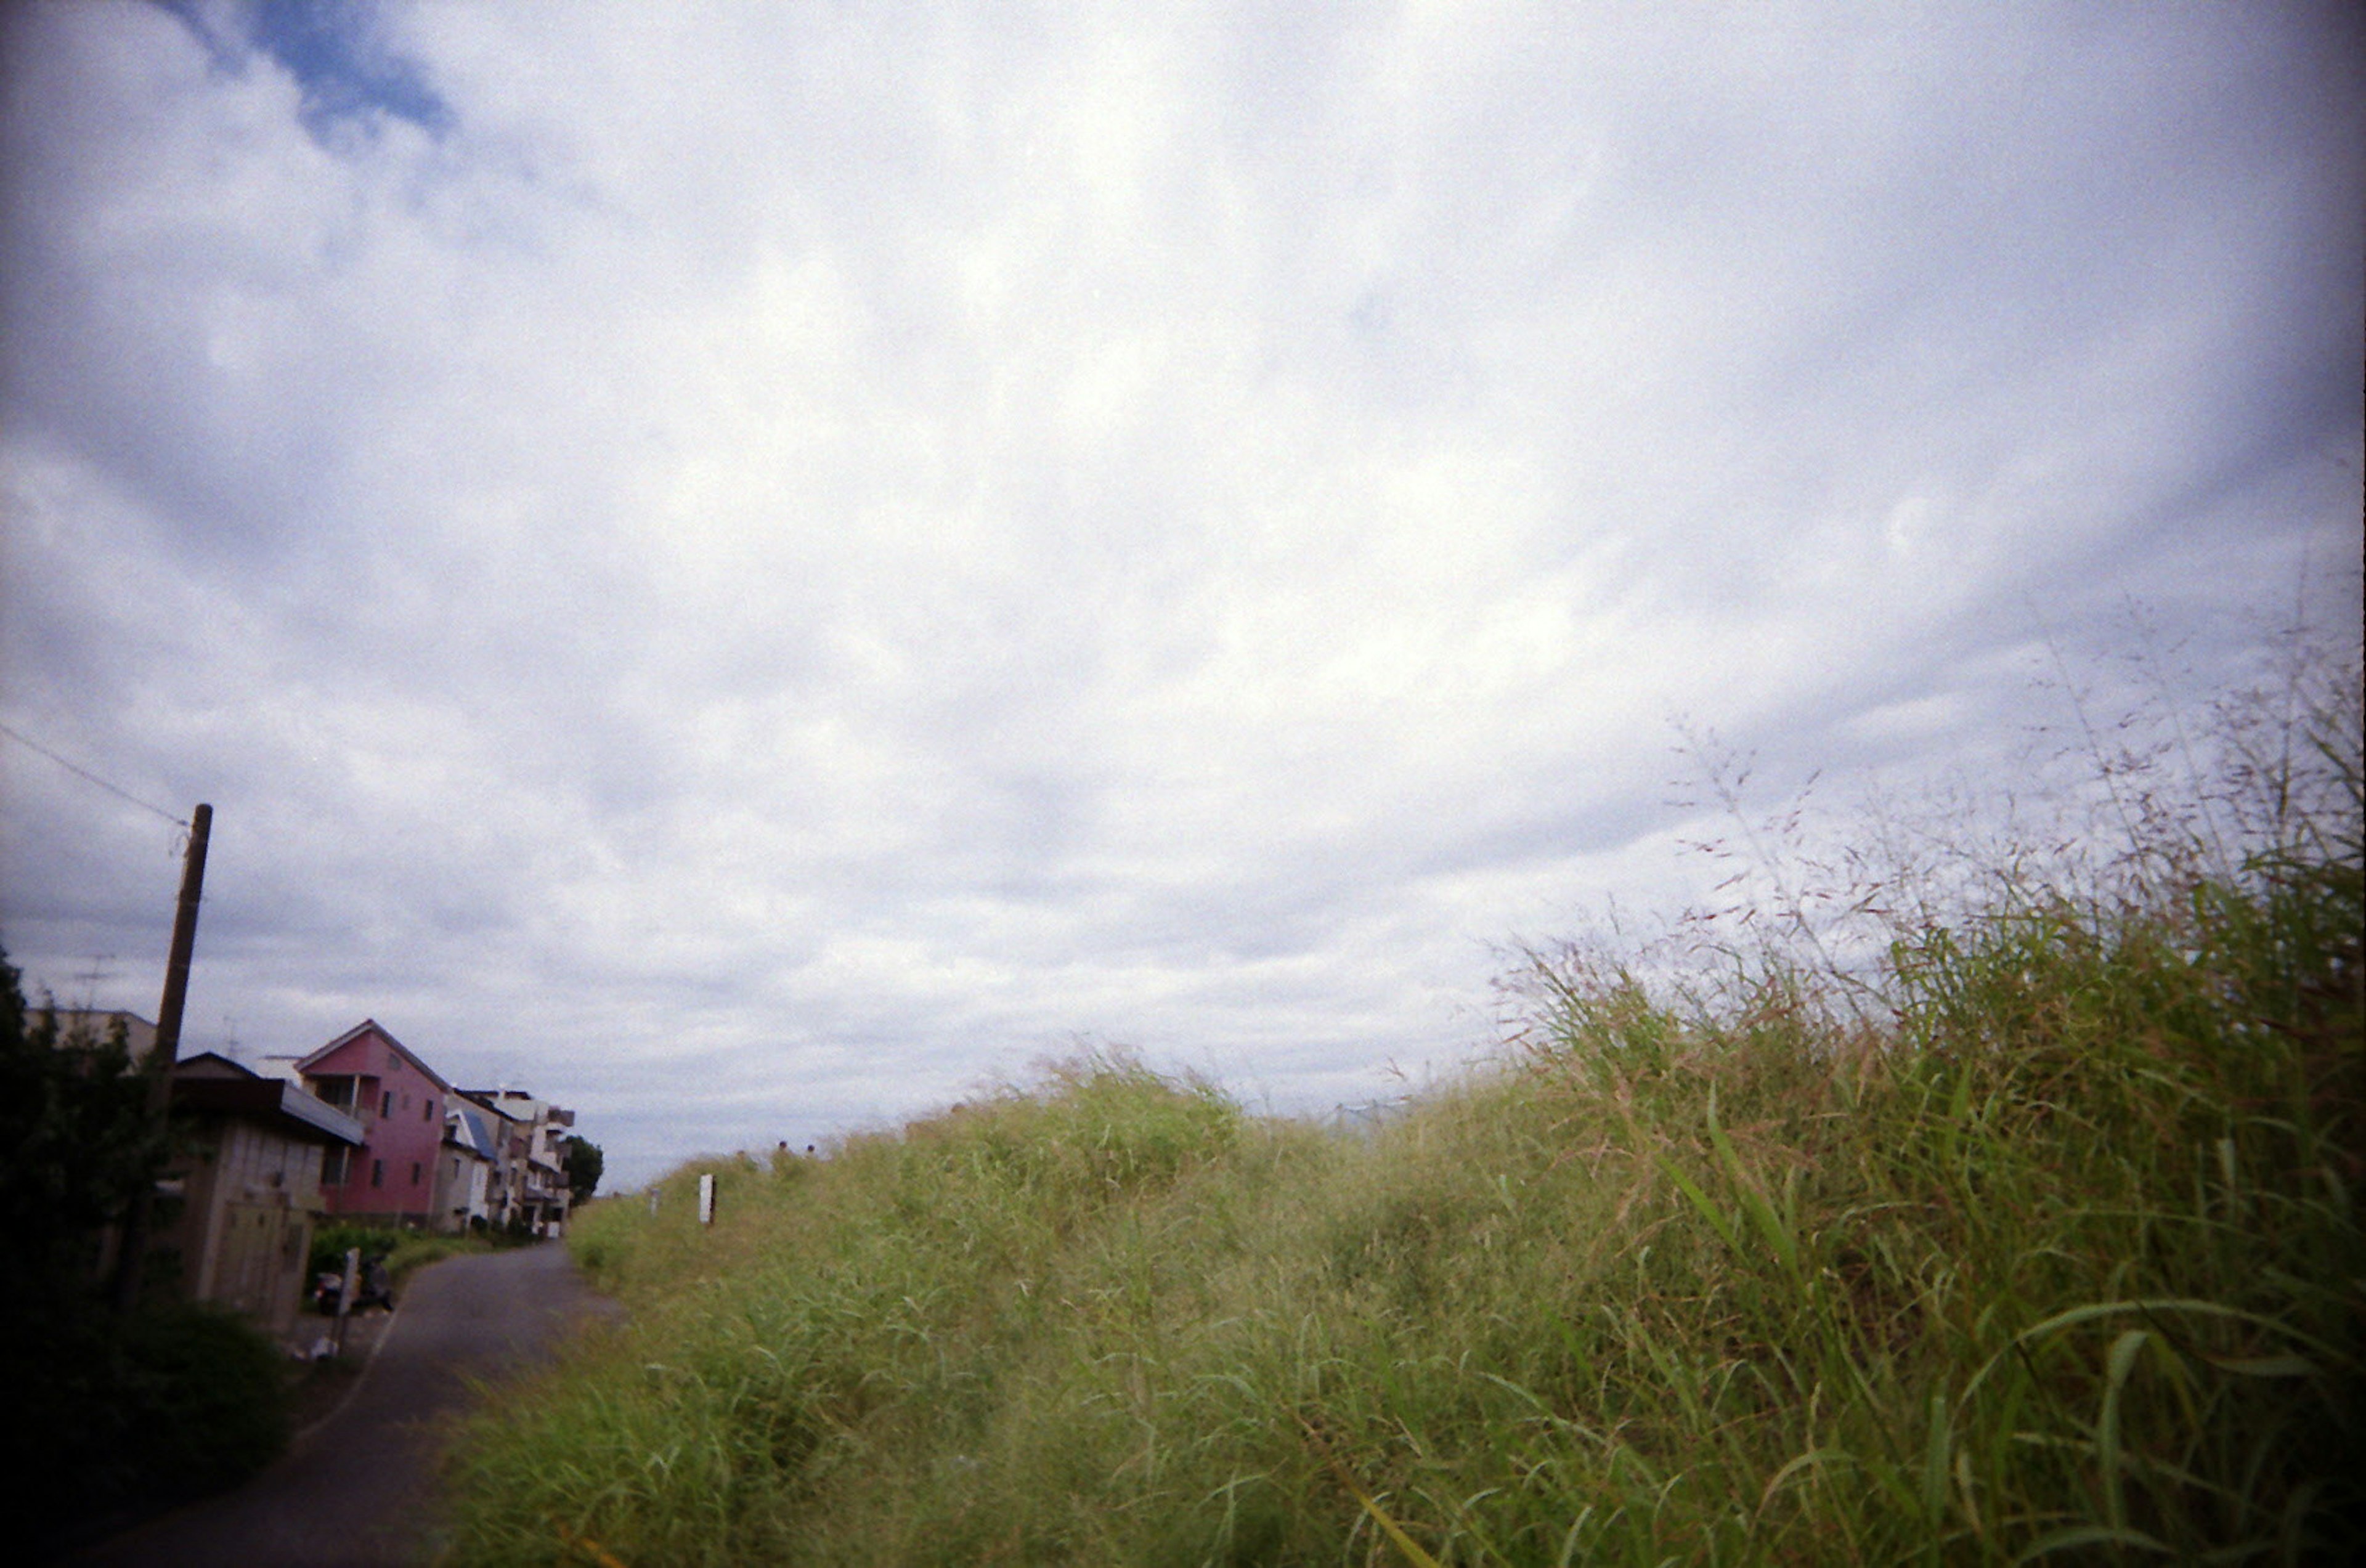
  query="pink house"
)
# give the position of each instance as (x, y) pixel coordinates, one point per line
(399, 1101)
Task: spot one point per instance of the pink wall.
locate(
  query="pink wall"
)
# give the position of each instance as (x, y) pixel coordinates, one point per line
(400, 1108)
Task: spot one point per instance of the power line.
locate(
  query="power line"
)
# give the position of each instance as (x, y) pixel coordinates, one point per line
(80, 772)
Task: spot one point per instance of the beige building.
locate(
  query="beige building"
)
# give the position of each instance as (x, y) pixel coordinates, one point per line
(531, 1156)
(241, 1198)
(85, 1028)
(465, 1184)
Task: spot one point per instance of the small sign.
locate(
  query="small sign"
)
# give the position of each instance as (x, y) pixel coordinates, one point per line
(706, 1199)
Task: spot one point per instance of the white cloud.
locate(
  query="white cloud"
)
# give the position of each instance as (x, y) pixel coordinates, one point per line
(788, 561)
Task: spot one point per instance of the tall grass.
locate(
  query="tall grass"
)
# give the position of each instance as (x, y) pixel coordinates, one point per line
(2035, 1238)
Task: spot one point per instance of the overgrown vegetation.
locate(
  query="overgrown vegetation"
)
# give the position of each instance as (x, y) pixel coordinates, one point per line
(404, 1252)
(332, 1238)
(2027, 1231)
(102, 1412)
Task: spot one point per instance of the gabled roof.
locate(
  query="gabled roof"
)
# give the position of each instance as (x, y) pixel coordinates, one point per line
(211, 1065)
(372, 1026)
(212, 1082)
(522, 1106)
(486, 1099)
(467, 1126)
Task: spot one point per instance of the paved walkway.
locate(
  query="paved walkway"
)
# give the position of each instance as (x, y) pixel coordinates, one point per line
(359, 1490)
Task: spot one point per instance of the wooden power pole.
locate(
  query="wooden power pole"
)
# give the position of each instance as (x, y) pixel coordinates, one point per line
(157, 1067)
(185, 941)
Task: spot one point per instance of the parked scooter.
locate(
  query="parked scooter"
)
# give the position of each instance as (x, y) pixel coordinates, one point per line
(372, 1288)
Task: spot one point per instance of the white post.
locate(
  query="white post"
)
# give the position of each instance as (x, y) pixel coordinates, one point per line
(345, 1293)
(706, 1199)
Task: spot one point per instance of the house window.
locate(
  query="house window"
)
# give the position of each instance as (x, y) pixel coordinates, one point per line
(378, 1173)
(414, 1173)
(336, 1167)
(427, 1110)
(386, 1105)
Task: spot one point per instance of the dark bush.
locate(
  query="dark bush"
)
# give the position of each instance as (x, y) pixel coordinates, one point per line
(112, 1419)
(208, 1396)
(103, 1415)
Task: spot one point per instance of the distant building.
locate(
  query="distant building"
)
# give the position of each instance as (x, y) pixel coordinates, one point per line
(508, 1136)
(400, 1102)
(86, 1027)
(465, 1181)
(534, 1158)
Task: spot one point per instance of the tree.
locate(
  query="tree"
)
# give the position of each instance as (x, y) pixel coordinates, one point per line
(101, 1411)
(75, 1120)
(584, 1162)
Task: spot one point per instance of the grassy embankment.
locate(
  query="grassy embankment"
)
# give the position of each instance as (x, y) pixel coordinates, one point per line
(2036, 1238)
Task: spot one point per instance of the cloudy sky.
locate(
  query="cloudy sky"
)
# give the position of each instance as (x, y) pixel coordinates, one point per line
(748, 568)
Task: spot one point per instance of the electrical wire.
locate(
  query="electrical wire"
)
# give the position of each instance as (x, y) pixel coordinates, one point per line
(80, 772)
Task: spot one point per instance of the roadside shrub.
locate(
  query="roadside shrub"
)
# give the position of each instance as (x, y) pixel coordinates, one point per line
(331, 1241)
(111, 1418)
(102, 1413)
(208, 1392)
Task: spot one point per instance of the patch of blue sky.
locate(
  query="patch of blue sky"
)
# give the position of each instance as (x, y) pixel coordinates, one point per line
(349, 79)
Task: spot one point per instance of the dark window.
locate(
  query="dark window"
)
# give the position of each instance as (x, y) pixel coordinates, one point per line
(378, 1173)
(334, 1167)
(386, 1104)
(427, 1110)
(414, 1173)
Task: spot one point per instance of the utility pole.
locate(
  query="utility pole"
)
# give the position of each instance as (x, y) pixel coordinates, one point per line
(157, 1067)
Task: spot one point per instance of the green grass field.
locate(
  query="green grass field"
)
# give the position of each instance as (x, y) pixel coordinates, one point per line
(2029, 1231)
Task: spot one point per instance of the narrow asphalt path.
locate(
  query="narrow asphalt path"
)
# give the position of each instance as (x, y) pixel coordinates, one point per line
(359, 1489)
